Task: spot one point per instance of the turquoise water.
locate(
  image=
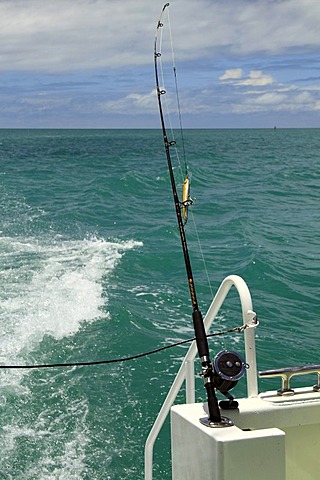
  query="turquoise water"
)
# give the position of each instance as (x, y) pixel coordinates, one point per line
(92, 269)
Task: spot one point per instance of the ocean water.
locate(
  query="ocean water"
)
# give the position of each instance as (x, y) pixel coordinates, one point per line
(92, 269)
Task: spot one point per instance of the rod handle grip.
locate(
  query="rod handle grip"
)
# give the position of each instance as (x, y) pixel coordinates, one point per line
(200, 334)
(213, 406)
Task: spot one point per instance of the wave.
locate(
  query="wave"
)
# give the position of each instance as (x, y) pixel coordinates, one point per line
(52, 286)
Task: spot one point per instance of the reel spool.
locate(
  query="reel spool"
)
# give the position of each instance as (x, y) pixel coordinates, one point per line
(228, 368)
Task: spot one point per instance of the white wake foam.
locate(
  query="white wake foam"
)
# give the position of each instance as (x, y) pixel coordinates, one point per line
(52, 286)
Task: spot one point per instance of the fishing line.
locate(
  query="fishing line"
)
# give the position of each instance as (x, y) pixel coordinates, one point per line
(177, 96)
(167, 102)
(202, 254)
(124, 359)
(168, 115)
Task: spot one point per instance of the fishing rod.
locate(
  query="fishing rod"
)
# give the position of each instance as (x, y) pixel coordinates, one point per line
(200, 334)
(228, 367)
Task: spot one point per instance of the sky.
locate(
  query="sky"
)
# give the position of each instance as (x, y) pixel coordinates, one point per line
(90, 63)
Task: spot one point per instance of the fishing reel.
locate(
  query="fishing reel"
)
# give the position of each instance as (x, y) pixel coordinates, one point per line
(228, 368)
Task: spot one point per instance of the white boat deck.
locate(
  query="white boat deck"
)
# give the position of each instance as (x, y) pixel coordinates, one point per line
(273, 437)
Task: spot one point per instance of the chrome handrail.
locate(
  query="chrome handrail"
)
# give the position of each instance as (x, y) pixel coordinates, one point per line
(186, 370)
(287, 373)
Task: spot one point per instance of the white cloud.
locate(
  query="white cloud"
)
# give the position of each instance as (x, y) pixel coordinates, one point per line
(273, 101)
(132, 104)
(73, 35)
(246, 27)
(304, 98)
(82, 34)
(255, 78)
(268, 99)
(231, 74)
